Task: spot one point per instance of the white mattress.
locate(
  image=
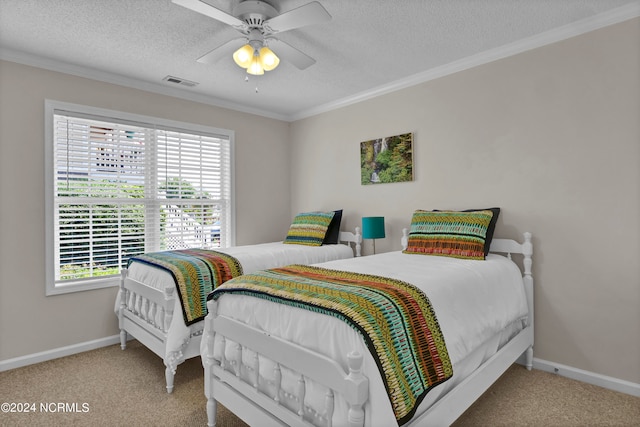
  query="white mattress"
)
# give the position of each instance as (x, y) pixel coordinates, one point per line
(252, 258)
(479, 305)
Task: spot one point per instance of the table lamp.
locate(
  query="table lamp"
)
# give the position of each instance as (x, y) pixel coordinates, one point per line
(373, 228)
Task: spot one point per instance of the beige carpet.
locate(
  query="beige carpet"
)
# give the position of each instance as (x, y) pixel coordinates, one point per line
(111, 387)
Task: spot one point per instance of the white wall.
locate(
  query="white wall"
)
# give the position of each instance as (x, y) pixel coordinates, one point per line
(552, 136)
(29, 321)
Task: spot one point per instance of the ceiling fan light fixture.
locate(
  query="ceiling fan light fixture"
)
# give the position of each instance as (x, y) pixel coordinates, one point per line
(256, 66)
(244, 56)
(258, 21)
(268, 59)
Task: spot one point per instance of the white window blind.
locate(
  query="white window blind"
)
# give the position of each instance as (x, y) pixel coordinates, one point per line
(122, 188)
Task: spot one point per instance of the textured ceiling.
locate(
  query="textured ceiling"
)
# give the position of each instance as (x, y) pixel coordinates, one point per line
(369, 46)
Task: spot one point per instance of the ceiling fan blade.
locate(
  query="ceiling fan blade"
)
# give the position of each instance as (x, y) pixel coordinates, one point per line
(224, 50)
(310, 13)
(291, 54)
(212, 12)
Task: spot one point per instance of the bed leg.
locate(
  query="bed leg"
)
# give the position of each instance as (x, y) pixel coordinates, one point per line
(123, 339)
(212, 408)
(529, 356)
(169, 375)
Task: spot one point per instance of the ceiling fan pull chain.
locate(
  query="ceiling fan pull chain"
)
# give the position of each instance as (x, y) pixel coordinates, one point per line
(246, 79)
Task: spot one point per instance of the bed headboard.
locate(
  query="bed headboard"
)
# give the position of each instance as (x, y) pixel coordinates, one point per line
(347, 237)
(508, 247)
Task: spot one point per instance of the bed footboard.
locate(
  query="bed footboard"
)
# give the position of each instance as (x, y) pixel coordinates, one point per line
(146, 314)
(145, 307)
(237, 386)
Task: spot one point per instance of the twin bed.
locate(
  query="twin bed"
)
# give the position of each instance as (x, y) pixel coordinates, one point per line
(150, 306)
(289, 344)
(274, 358)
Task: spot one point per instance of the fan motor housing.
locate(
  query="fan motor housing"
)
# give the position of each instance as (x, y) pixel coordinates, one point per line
(254, 13)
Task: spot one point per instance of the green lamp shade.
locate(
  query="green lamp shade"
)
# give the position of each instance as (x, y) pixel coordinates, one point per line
(373, 227)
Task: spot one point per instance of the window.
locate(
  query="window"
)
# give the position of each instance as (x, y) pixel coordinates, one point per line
(119, 185)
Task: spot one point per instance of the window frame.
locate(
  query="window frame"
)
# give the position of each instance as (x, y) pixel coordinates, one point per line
(51, 108)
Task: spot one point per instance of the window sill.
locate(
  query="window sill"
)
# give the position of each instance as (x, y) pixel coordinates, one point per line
(67, 287)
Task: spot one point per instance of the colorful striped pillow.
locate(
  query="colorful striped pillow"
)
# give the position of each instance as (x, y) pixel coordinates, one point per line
(309, 228)
(492, 226)
(450, 233)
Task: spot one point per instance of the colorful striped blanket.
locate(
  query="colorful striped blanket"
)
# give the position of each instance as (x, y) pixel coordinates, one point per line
(196, 273)
(395, 319)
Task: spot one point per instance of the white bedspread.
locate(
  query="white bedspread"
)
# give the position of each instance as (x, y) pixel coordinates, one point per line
(473, 301)
(252, 258)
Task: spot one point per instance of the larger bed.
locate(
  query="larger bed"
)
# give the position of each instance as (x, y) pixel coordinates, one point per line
(149, 305)
(286, 365)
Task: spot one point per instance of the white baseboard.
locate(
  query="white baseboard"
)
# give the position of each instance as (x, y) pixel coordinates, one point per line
(30, 359)
(588, 377)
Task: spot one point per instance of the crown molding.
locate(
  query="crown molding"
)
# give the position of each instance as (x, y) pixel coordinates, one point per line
(574, 29)
(120, 80)
(614, 16)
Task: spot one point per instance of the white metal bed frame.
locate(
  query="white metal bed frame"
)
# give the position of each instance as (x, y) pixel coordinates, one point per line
(146, 313)
(224, 384)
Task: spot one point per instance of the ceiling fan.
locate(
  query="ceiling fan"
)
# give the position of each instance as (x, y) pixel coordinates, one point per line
(259, 23)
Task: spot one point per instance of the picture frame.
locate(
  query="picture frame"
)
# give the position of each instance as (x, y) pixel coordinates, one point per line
(387, 160)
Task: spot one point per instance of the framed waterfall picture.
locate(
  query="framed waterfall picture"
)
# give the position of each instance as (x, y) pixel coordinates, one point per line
(388, 159)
